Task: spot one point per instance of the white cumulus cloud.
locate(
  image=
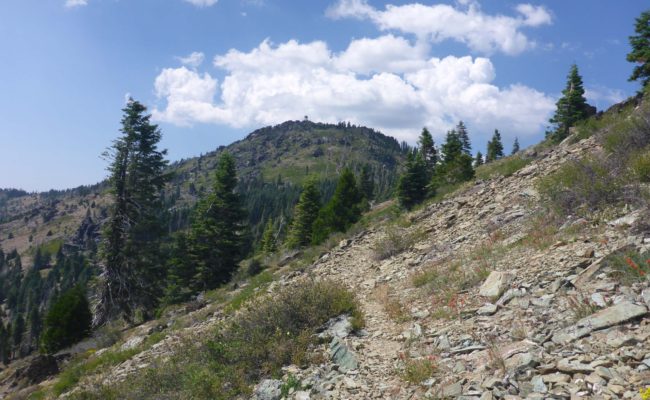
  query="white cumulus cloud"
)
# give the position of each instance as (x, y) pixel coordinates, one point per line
(438, 22)
(193, 60)
(202, 3)
(369, 83)
(75, 3)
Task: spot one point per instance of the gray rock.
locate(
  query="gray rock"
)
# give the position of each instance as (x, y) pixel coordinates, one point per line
(620, 340)
(598, 300)
(556, 378)
(453, 390)
(132, 343)
(627, 220)
(343, 356)
(269, 389)
(339, 327)
(538, 384)
(301, 395)
(487, 309)
(645, 295)
(588, 274)
(573, 366)
(521, 361)
(604, 318)
(509, 295)
(496, 284)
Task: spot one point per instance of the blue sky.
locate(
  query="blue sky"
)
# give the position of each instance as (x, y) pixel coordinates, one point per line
(212, 71)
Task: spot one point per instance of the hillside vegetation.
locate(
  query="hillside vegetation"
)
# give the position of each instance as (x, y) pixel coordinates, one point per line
(498, 288)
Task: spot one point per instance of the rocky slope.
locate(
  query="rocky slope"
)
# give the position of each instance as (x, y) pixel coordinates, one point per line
(517, 334)
(477, 296)
(486, 301)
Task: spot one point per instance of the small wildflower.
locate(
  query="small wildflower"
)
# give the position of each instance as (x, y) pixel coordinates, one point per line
(645, 393)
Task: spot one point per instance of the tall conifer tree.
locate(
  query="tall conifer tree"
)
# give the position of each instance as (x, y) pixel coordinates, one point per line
(428, 150)
(304, 215)
(515, 146)
(218, 235)
(640, 53)
(463, 135)
(571, 107)
(131, 266)
(494, 148)
(412, 185)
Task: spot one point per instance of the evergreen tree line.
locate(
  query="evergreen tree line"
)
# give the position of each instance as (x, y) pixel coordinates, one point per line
(429, 168)
(29, 298)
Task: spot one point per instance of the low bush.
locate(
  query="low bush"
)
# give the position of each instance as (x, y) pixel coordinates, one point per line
(503, 167)
(629, 266)
(580, 306)
(67, 322)
(605, 179)
(395, 242)
(417, 370)
(581, 187)
(265, 335)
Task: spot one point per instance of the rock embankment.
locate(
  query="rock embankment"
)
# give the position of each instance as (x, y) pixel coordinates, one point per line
(529, 320)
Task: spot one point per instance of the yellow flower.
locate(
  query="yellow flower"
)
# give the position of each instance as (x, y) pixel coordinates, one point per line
(645, 393)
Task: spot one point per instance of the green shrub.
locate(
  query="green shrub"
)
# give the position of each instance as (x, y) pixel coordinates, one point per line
(629, 266)
(269, 334)
(255, 267)
(67, 322)
(260, 339)
(580, 187)
(87, 364)
(418, 370)
(640, 166)
(395, 242)
(503, 167)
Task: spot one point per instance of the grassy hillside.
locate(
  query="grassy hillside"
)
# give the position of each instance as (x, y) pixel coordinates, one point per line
(272, 163)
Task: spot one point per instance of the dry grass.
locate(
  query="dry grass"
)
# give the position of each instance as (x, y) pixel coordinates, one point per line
(396, 241)
(392, 306)
(580, 306)
(417, 370)
(496, 362)
(446, 284)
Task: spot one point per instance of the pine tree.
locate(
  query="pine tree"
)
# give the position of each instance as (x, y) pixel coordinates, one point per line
(67, 321)
(180, 271)
(343, 209)
(5, 350)
(269, 238)
(640, 53)
(131, 262)
(428, 150)
(218, 236)
(367, 183)
(456, 164)
(461, 131)
(515, 146)
(412, 185)
(478, 160)
(494, 148)
(35, 324)
(571, 107)
(304, 215)
(18, 329)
